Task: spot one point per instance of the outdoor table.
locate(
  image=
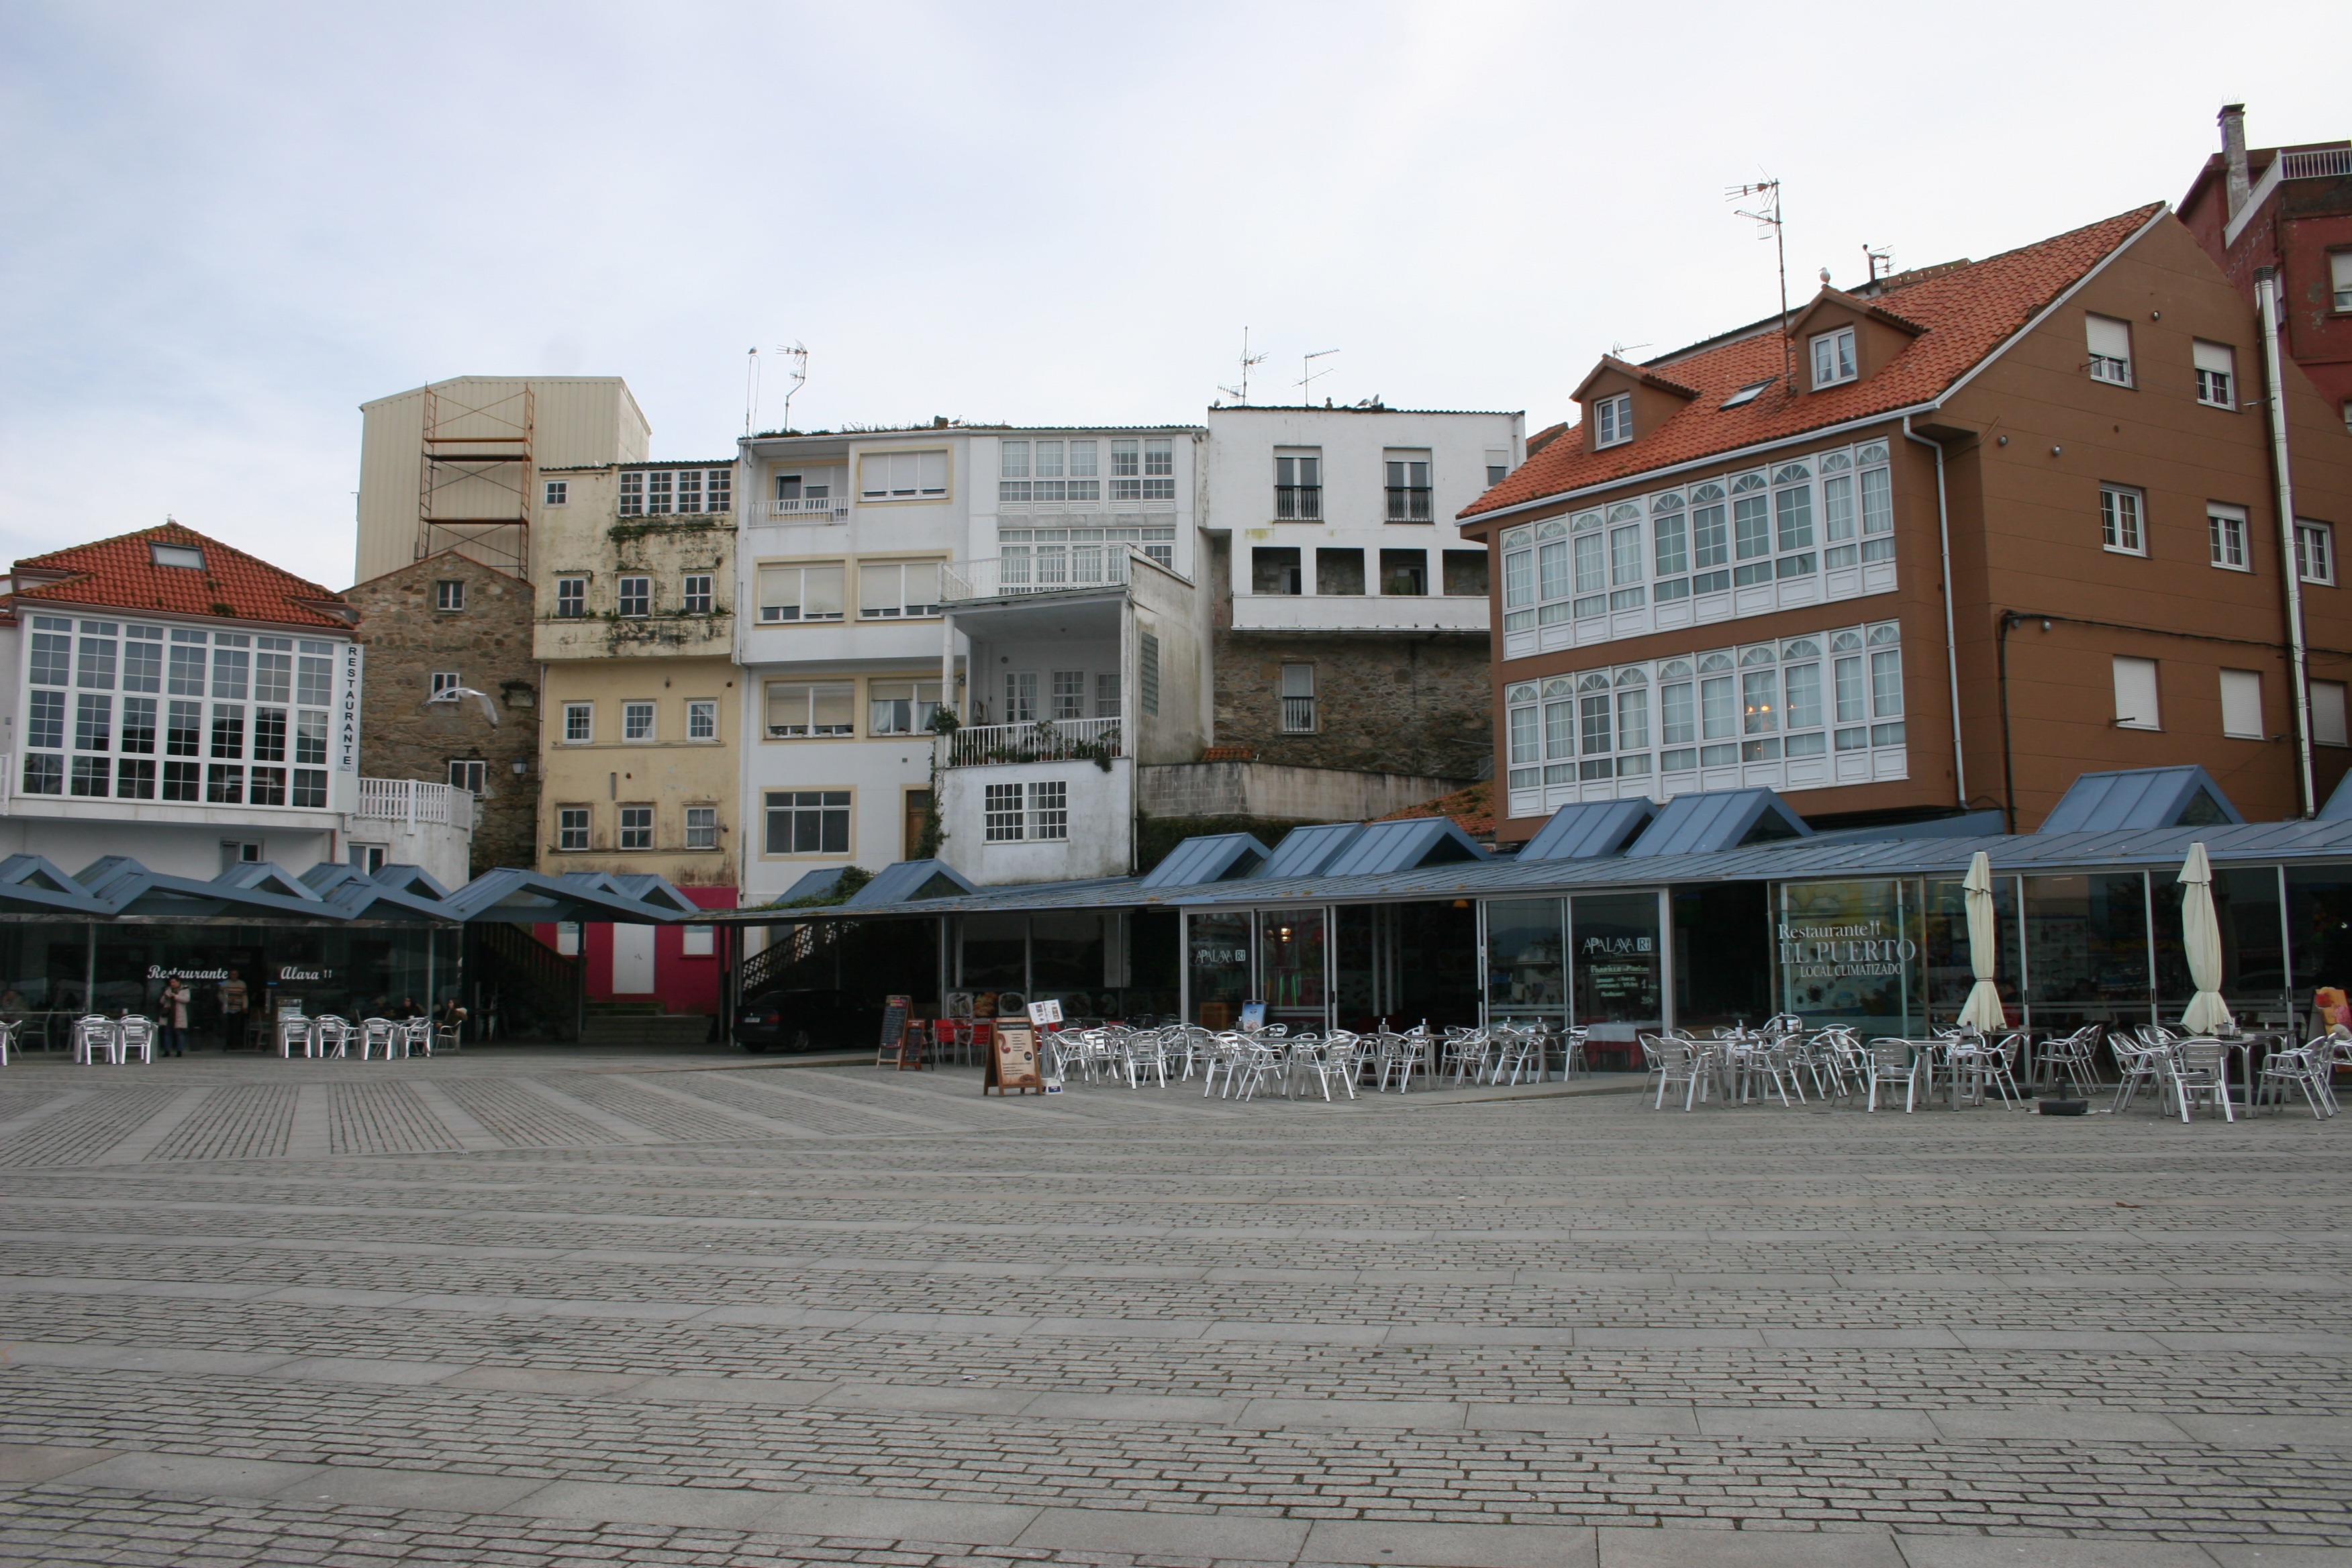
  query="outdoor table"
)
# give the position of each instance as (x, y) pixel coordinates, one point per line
(2243, 1044)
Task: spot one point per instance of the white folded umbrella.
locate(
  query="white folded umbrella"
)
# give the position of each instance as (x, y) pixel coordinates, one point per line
(1983, 1006)
(2200, 931)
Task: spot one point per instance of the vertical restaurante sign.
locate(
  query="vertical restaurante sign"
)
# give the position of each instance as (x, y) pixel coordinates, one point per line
(347, 715)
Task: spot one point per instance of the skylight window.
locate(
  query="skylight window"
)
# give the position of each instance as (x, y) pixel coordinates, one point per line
(1746, 394)
(186, 555)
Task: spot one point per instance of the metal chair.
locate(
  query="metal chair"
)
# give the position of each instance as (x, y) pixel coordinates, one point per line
(2300, 1066)
(415, 1037)
(2199, 1070)
(333, 1035)
(93, 1037)
(1892, 1062)
(9, 1029)
(375, 1033)
(1677, 1062)
(133, 1032)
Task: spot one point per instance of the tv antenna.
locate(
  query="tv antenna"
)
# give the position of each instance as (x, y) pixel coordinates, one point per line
(1767, 215)
(1881, 263)
(1308, 373)
(796, 362)
(1241, 393)
(1619, 351)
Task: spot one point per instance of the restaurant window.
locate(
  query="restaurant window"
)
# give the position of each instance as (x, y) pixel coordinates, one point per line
(2086, 949)
(1527, 965)
(1849, 954)
(2247, 918)
(1217, 957)
(1947, 964)
(1618, 964)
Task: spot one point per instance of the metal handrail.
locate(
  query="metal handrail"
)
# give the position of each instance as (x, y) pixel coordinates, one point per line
(1080, 569)
(1043, 740)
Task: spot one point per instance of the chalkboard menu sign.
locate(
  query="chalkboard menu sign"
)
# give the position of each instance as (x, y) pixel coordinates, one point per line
(895, 1045)
(1013, 1059)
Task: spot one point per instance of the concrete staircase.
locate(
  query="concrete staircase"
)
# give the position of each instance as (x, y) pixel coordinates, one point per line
(639, 1024)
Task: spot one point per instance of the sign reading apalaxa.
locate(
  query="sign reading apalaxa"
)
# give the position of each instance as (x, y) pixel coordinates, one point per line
(1862, 949)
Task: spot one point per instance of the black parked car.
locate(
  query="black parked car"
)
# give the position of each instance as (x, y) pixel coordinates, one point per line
(808, 1021)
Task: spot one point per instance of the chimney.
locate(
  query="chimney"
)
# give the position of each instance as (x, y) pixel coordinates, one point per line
(2233, 153)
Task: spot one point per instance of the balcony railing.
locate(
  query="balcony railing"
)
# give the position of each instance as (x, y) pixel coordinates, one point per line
(410, 801)
(1081, 567)
(1045, 741)
(810, 508)
(2319, 163)
(1297, 503)
(1408, 504)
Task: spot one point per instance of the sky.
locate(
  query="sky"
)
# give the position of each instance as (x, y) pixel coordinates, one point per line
(228, 225)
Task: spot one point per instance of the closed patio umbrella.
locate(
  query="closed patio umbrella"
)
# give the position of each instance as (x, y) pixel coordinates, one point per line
(1983, 1006)
(2201, 932)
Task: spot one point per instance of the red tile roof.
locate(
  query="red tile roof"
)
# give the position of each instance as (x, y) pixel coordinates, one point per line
(1472, 809)
(121, 573)
(1963, 314)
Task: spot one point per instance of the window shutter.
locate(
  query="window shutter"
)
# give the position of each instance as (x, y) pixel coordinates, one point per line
(2109, 337)
(2328, 718)
(824, 591)
(923, 583)
(2214, 356)
(2135, 693)
(877, 589)
(2242, 704)
(832, 708)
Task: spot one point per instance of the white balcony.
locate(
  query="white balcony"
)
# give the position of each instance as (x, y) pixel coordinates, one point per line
(1358, 613)
(1083, 568)
(414, 803)
(1070, 740)
(810, 508)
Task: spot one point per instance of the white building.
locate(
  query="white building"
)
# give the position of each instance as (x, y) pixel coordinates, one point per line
(178, 701)
(883, 575)
(1352, 622)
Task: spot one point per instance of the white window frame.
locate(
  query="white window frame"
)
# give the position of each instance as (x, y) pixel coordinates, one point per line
(1003, 814)
(2225, 529)
(785, 585)
(641, 593)
(819, 800)
(1295, 693)
(634, 821)
(2216, 374)
(583, 731)
(921, 702)
(559, 493)
(2315, 552)
(2340, 284)
(1834, 361)
(449, 595)
(2122, 520)
(702, 718)
(1049, 811)
(572, 822)
(697, 941)
(570, 598)
(2101, 336)
(810, 692)
(1612, 420)
(886, 477)
(893, 590)
(702, 828)
(471, 774)
(694, 594)
(445, 681)
(2131, 675)
(638, 722)
(2242, 704)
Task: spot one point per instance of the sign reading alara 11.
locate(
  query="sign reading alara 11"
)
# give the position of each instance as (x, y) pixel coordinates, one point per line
(1856, 951)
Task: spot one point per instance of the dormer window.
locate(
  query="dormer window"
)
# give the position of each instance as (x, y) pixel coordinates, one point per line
(184, 556)
(1612, 420)
(1834, 358)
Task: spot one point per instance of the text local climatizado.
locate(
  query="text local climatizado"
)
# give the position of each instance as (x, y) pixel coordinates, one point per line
(1843, 953)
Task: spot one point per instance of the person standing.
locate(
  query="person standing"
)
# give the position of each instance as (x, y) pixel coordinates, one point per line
(176, 1017)
(234, 1000)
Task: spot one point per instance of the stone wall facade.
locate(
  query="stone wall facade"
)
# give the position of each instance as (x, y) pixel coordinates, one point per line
(487, 645)
(1389, 702)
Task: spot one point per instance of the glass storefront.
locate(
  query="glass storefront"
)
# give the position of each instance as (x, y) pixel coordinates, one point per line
(1527, 959)
(2087, 941)
(1849, 954)
(1291, 963)
(52, 971)
(1618, 990)
(1724, 972)
(1217, 961)
(1947, 963)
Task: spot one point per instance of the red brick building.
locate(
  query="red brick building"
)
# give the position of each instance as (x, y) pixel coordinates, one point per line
(1966, 534)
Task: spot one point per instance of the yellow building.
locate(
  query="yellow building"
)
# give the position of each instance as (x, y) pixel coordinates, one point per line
(635, 567)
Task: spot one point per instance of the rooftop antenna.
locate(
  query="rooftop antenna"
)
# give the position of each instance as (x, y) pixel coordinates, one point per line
(1767, 215)
(751, 386)
(1619, 351)
(796, 358)
(1308, 372)
(1241, 393)
(1880, 262)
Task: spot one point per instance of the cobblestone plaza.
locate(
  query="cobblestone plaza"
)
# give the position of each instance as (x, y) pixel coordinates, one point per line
(554, 1309)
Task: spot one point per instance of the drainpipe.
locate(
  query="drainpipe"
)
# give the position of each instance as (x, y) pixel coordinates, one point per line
(2008, 771)
(1951, 639)
(2267, 287)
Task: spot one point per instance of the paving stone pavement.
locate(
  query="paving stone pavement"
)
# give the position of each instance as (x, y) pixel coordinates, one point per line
(560, 1308)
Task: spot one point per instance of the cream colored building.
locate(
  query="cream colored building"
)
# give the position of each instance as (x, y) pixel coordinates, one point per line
(458, 462)
(635, 629)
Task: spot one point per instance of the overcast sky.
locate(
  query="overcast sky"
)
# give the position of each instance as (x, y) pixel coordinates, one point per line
(227, 226)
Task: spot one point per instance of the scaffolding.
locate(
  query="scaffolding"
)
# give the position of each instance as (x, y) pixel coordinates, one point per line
(473, 478)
